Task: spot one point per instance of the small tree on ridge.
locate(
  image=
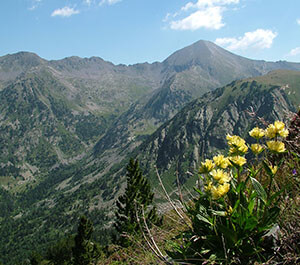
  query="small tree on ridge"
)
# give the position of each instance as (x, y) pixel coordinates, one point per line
(137, 197)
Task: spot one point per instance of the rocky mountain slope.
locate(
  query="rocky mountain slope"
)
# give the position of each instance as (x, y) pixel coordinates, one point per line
(63, 108)
(199, 130)
(68, 126)
(191, 72)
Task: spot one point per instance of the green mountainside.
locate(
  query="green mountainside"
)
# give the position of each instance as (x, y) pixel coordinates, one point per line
(68, 128)
(199, 130)
(192, 72)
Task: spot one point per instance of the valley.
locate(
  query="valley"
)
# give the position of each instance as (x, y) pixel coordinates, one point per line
(69, 127)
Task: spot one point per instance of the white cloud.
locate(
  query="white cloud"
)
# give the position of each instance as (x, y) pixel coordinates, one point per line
(109, 2)
(65, 12)
(298, 21)
(201, 14)
(168, 15)
(208, 3)
(34, 5)
(294, 52)
(210, 18)
(258, 39)
(88, 2)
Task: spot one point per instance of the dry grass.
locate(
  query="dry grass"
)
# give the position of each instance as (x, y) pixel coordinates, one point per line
(140, 252)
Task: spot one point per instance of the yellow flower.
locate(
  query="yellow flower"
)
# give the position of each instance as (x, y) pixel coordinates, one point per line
(270, 132)
(279, 125)
(220, 175)
(276, 146)
(229, 210)
(276, 129)
(206, 166)
(225, 179)
(243, 148)
(214, 193)
(256, 148)
(237, 144)
(284, 133)
(221, 161)
(257, 133)
(224, 188)
(273, 169)
(221, 190)
(209, 186)
(234, 140)
(239, 160)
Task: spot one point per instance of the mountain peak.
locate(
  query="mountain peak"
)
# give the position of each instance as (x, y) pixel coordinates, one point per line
(25, 58)
(203, 53)
(199, 50)
(12, 65)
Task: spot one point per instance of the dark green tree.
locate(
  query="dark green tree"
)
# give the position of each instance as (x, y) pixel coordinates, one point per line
(137, 198)
(61, 252)
(85, 251)
(35, 258)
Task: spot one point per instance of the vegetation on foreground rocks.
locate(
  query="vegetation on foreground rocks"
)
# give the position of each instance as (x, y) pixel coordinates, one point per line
(245, 211)
(236, 217)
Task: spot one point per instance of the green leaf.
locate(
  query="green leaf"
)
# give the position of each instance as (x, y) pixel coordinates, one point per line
(253, 171)
(259, 190)
(241, 187)
(204, 219)
(219, 213)
(229, 234)
(268, 169)
(236, 205)
(296, 156)
(251, 223)
(251, 205)
(198, 191)
(205, 251)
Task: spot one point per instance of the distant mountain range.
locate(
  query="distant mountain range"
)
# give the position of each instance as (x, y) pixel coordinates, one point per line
(68, 128)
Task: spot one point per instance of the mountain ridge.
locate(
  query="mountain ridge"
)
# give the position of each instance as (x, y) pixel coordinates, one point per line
(125, 103)
(199, 129)
(69, 127)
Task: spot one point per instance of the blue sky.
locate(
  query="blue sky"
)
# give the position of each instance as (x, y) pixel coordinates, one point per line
(135, 31)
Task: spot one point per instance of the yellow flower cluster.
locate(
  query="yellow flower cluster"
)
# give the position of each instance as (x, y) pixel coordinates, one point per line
(237, 145)
(209, 186)
(238, 160)
(257, 133)
(256, 148)
(220, 191)
(206, 166)
(276, 146)
(222, 187)
(273, 130)
(220, 175)
(221, 161)
(276, 129)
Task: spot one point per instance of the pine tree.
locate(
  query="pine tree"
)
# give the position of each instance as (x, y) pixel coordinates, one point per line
(137, 196)
(85, 251)
(35, 258)
(60, 253)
